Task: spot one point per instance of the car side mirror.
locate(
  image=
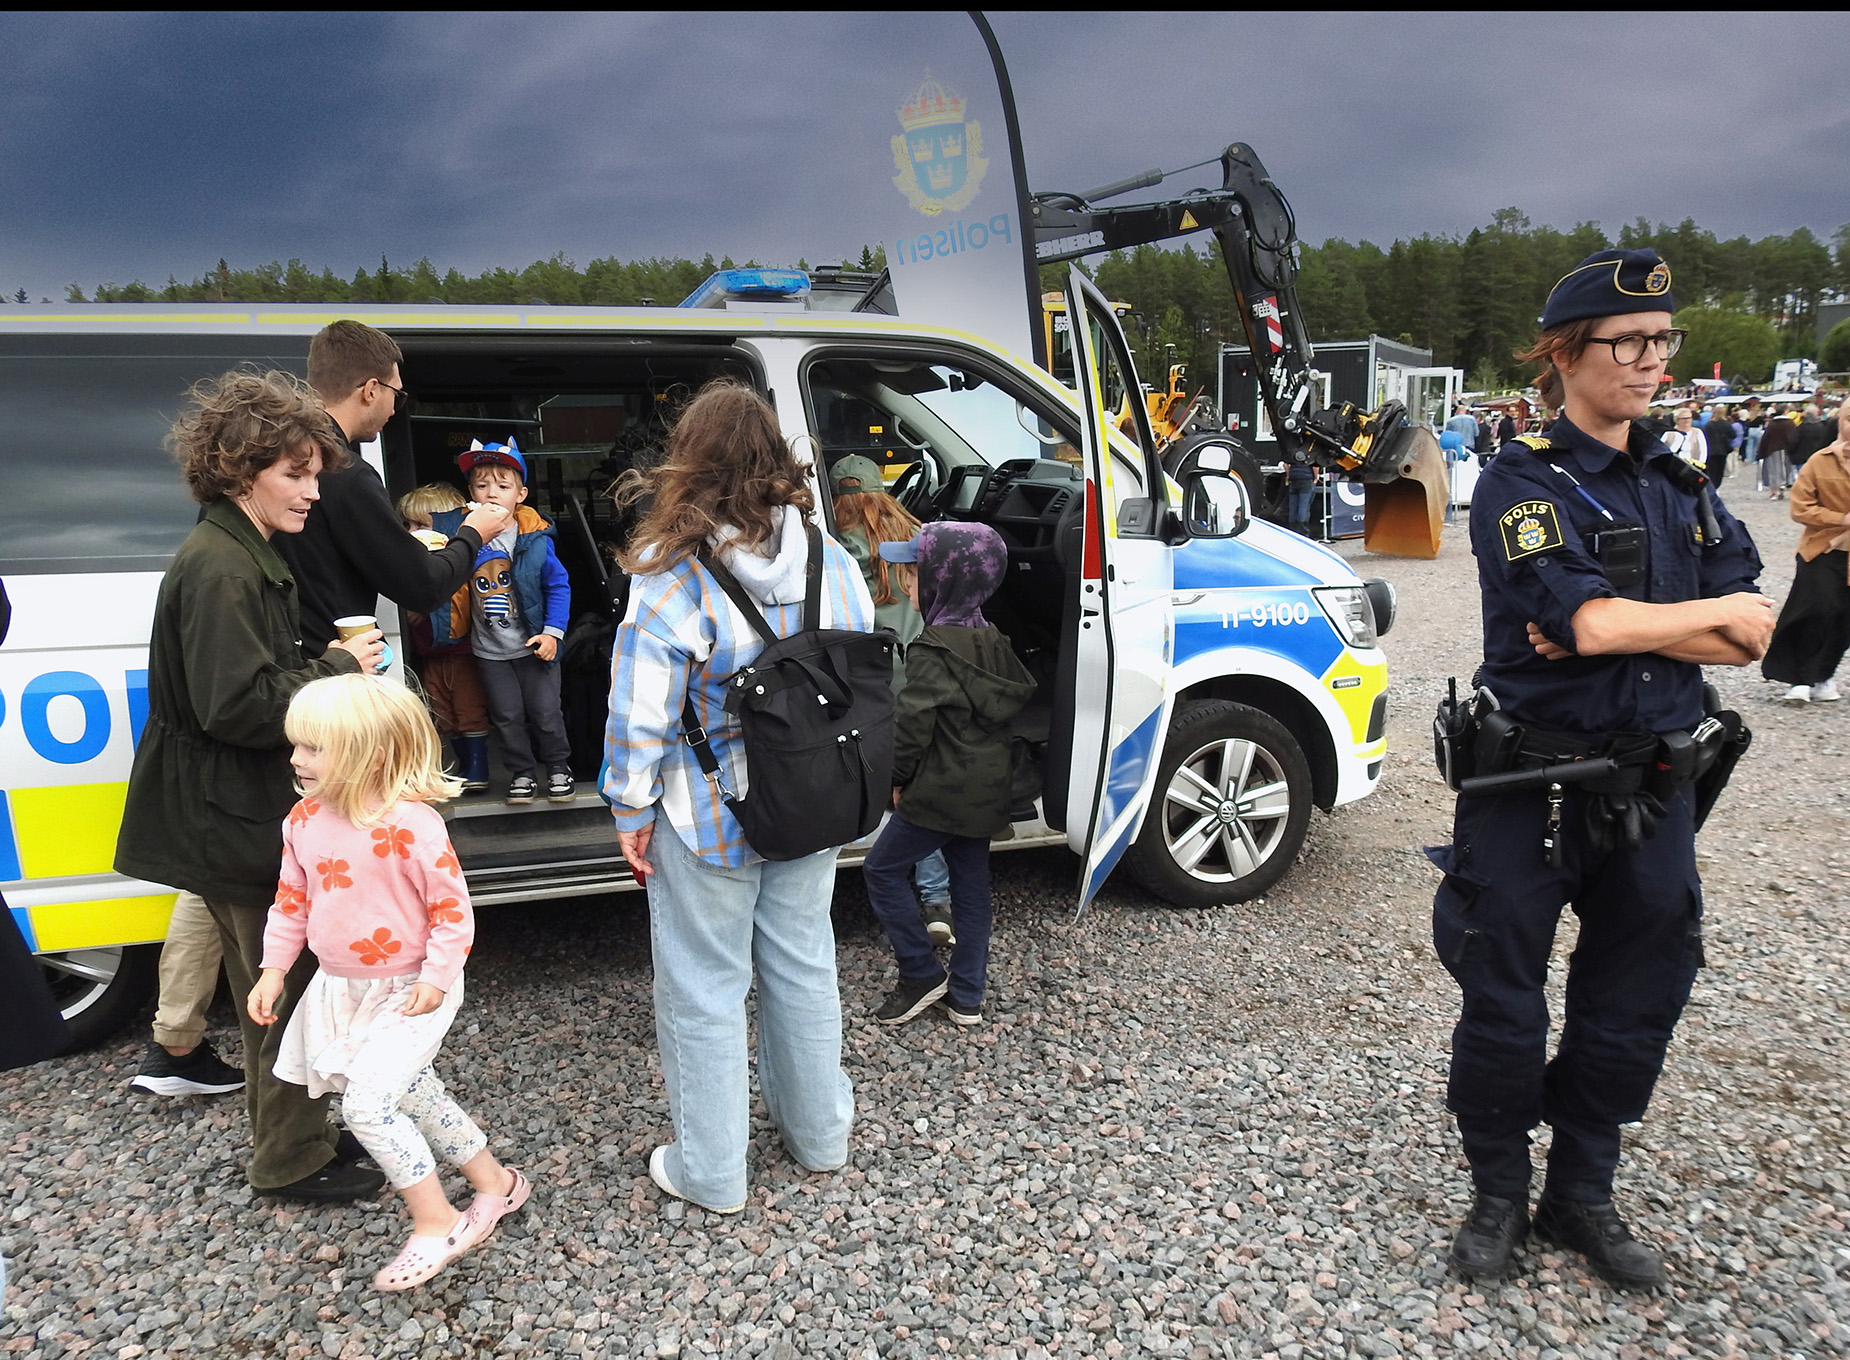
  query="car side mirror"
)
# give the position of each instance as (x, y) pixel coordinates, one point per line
(1215, 505)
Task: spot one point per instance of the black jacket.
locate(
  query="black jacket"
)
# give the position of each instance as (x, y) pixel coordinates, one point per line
(354, 549)
(1813, 434)
(951, 744)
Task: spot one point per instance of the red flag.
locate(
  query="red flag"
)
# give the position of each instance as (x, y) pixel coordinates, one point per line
(1718, 368)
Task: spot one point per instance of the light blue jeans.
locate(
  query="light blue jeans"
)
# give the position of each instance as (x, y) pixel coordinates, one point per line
(711, 929)
(934, 879)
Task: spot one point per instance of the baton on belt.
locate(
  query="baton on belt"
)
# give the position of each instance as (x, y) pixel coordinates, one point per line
(1516, 781)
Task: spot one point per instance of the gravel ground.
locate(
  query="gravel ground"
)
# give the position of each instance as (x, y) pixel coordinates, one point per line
(1211, 1133)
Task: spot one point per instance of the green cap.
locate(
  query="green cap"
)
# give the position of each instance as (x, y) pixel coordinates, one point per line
(855, 474)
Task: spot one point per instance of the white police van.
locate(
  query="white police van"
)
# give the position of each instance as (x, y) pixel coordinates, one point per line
(1206, 678)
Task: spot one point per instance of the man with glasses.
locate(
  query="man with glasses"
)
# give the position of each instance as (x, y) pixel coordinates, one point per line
(1610, 576)
(354, 549)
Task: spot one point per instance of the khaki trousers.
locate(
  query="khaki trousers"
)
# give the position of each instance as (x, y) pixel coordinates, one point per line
(290, 1134)
(188, 974)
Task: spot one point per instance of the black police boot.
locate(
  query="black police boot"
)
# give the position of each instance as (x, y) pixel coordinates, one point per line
(1598, 1233)
(1490, 1236)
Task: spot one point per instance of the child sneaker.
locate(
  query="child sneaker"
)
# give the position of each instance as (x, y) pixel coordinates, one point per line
(1796, 697)
(199, 1073)
(520, 790)
(1825, 692)
(560, 787)
(910, 998)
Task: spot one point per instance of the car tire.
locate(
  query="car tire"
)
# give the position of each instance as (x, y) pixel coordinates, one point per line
(100, 990)
(1202, 849)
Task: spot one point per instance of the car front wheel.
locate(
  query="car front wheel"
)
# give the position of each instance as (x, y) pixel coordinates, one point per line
(1230, 809)
(100, 990)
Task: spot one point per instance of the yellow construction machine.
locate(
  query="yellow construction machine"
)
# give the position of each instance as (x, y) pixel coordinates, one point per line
(1398, 461)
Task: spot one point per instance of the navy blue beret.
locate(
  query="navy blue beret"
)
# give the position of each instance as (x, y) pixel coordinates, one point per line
(1610, 283)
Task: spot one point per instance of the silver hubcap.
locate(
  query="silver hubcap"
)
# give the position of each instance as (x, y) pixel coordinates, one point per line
(1225, 809)
(79, 978)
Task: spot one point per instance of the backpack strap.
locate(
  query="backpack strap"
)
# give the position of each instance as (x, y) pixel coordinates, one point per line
(696, 737)
(812, 589)
(736, 592)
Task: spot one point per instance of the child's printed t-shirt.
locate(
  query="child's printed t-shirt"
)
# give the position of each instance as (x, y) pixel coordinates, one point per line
(387, 900)
(497, 631)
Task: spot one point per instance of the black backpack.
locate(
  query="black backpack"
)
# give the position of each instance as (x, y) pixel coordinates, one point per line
(817, 713)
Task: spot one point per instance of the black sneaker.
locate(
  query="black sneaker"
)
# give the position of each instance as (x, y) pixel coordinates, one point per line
(1490, 1236)
(336, 1182)
(1598, 1233)
(561, 787)
(350, 1149)
(938, 924)
(963, 1015)
(909, 998)
(199, 1073)
(520, 790)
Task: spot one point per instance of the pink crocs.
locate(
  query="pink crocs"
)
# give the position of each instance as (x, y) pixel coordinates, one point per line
(487, 1210)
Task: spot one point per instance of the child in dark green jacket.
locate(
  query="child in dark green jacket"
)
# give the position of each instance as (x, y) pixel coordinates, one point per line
(964, 686)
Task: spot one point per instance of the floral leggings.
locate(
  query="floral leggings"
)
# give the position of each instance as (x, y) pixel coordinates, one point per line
(401, 1124)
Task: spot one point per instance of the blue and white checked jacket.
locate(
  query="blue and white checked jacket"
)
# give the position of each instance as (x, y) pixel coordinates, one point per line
(684, 636)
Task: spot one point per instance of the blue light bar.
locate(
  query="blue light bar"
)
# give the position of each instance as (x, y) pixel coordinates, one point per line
(749, 285)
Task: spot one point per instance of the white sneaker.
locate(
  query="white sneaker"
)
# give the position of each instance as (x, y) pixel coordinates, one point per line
(1824, 693)
(1796, 697)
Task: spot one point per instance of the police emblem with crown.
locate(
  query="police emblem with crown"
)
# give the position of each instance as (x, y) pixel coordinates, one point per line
(938, 155)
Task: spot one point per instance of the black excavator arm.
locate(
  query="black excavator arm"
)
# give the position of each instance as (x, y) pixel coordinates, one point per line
(1400, 461)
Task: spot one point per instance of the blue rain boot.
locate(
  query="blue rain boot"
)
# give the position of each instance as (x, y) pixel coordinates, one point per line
(472, 757)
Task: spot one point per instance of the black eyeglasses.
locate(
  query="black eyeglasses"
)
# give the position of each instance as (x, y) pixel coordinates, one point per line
(1629, 349)
(401, 399)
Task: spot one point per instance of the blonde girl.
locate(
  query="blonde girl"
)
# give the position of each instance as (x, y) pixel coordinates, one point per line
(371, 885)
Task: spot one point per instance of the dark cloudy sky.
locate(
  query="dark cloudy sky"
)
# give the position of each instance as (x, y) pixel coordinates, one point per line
(134, 146)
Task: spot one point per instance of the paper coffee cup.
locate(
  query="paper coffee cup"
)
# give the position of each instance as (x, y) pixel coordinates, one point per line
(353, 625)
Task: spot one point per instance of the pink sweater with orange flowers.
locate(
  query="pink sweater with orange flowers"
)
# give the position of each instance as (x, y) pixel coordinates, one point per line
(386, 900)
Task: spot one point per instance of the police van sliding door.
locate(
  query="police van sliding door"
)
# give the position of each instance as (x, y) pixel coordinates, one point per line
(1125, 630)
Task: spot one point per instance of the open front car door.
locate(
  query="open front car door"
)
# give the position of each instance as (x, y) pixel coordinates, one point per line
(1125, 635)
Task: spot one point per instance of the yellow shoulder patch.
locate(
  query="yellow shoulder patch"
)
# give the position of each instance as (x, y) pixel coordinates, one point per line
(1529, 528)
(1541, 443)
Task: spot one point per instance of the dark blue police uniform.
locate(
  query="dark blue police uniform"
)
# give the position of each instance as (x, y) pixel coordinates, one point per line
(1534, 515)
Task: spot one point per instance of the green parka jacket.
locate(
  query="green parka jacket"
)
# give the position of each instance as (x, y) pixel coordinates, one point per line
(211, 782)
(952, 729)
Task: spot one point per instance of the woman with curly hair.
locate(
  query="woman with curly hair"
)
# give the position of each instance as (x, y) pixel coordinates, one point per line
(719, 913)
(211, 782)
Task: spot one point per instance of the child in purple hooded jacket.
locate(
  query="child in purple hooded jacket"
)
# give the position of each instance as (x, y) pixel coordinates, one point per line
(952, 736)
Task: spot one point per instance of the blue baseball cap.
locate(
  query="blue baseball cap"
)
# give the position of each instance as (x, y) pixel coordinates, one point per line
(479, 454)
(1610, 283)
(900, 550)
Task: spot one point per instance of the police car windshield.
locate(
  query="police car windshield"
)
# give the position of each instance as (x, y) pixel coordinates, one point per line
(984, 419)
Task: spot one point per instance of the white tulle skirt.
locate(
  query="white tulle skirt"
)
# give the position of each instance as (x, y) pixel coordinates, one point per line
(355, 1030)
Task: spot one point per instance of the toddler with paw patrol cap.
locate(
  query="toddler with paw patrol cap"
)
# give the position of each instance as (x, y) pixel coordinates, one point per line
(519, 604)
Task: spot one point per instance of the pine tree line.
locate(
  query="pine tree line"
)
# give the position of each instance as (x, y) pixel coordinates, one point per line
(556, 282)
(1473, 300)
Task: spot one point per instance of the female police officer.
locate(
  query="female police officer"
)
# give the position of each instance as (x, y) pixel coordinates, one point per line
(1606, 586)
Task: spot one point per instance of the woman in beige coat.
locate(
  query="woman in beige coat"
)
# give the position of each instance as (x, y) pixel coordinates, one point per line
(1814, 626)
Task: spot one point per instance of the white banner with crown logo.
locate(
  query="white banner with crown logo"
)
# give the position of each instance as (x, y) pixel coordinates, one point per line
(951, 223)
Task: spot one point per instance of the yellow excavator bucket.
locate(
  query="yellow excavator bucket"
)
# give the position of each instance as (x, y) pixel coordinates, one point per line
(1403, 517)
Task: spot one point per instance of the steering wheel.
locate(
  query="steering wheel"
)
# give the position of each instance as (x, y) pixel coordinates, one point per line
(917, 486)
